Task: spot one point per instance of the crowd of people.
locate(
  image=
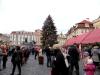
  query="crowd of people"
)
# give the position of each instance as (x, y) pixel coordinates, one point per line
(61, 60)
(19, 57)
(65, 60)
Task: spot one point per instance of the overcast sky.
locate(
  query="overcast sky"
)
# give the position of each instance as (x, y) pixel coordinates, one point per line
(29, 15)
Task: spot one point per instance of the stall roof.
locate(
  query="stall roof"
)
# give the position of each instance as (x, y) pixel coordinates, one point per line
(90, 37)
(93, 37)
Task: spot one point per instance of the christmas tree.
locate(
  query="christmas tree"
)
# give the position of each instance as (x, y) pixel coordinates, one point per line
(49, 33)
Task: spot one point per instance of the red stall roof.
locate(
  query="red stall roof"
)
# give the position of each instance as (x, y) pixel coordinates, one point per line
(78, 39)
(93, 37)
(90, 37)
(70, 41)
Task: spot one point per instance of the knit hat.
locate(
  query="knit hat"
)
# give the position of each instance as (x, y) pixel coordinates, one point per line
(86, 54)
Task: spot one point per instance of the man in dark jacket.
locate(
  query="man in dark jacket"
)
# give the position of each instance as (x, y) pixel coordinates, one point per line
(0, 57)
(74, 59)
(48, 54)
(16, 60)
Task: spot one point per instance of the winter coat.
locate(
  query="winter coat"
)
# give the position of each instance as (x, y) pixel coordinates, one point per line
(48, 51)
(74, 55)
(16, 57)
(60, 64)
(1, 54)
(95, 56)
(89, 69)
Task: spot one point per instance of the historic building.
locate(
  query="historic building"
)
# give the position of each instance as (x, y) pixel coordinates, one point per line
(19, 37)
(80, 28)
(96, 22)
(61, 40)
(4, 39)
(37, 36)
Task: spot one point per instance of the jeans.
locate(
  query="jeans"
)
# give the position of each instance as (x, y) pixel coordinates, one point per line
(14, 67)
(48, 61)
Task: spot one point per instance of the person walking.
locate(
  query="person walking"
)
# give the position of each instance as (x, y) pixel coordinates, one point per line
(37, 48)
(95, 57)
(40, 57)
(89, 67)
(74, 59)
(16, 60)
(61, 63)
(0, 58)
(48, 54)
(54, 69)
(5, 55)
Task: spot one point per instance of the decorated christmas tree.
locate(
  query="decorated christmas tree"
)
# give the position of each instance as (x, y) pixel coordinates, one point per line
(49, 33)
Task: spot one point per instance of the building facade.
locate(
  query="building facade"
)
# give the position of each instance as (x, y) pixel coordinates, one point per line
(4, 38)
(96, 22)
(61, 40)
(37, 36)
(80, 28)
(18, 37)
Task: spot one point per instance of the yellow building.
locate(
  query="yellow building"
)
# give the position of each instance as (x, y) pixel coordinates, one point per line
(80, 28)
(61, 40)
(96, 22)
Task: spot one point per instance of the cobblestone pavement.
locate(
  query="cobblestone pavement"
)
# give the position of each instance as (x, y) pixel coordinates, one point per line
(30, 68)
(33, 68)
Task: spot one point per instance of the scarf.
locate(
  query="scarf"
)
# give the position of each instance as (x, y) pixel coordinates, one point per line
(65, 59)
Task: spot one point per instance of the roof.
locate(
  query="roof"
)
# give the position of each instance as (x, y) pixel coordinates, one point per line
(89, 37)
(78, 39)
(81, 25)
(70, 41)
(85, 21)
(14, 32)
(81, 37)
(93, 37)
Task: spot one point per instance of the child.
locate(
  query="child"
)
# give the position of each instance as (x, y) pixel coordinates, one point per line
(89, 67)
(86, 57)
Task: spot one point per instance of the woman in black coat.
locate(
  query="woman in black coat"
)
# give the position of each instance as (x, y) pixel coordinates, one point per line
(60, 67)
